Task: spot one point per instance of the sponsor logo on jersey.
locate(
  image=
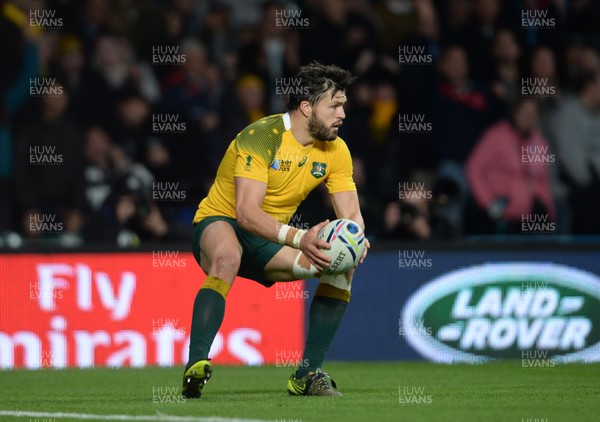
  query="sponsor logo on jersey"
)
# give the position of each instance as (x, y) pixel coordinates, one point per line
(503, 310)
(318, 169)
(303, 161)
(281, 165)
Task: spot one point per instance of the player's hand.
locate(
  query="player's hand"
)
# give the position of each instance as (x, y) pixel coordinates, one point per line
(311, 245)
(364, 255)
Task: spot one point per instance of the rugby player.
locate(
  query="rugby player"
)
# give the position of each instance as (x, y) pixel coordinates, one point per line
(240, 227)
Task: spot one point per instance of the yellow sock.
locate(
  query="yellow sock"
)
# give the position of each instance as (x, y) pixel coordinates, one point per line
(216, 284)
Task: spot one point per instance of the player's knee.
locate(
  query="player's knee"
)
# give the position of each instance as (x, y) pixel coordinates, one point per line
(225, 265)
(302, 268)
(340, 281)
(334, 286)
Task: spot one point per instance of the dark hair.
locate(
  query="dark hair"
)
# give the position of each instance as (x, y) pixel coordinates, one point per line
(583, 80)
(316, 80)
(519, 101)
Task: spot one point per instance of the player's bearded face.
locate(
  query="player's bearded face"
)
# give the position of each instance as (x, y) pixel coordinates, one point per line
(319, 130)
(326, 117)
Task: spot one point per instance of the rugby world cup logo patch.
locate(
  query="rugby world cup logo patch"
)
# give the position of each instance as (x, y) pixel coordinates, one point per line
(506, 310)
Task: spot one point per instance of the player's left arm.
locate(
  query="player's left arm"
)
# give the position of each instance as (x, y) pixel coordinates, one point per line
(342, 189)
(346, 205)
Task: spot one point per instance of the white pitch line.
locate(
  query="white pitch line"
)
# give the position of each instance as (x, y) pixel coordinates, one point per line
(90, 416)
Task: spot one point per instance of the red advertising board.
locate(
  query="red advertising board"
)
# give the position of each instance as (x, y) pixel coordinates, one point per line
(134, 309)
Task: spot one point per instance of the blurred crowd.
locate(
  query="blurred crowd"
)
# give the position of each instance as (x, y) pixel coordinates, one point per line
(469, 117)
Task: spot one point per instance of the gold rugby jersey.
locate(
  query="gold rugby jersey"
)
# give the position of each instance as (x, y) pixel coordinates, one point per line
(267, 151)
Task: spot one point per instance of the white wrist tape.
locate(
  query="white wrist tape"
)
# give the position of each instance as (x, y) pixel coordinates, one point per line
(282, 235)
(296, 242)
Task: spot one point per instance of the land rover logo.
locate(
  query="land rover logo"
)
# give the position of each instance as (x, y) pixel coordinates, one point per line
(500, 310)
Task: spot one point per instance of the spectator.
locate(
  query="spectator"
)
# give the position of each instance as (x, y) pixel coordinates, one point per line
(425, 210)
(478, 39)
(271, 51)
(246, 103)
(585, 18)
(70, 70)
(118, 197)
(136, 136)
(397, 20)
(409, 217)
(220, 62)
(543, 68)
(193, 93)
(506, 80)
(578, 147)
(194, 89)
(113, 71)
(48, 166)
(462, 109)
(221, 39)
(508, 172)
(105, 163)
(455, 15)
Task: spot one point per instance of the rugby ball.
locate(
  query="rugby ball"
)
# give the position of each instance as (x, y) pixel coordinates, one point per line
(347, 240)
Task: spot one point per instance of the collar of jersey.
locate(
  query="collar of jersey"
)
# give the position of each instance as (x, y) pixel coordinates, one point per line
(287, 121)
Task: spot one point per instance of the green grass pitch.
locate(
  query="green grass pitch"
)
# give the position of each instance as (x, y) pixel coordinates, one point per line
(398, 391)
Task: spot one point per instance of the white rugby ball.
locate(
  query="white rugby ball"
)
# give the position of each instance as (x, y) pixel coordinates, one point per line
(347, 240)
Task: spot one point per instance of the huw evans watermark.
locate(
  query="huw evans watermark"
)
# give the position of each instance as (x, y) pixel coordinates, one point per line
(167, 394)
(48, 359)
(44, 18)
(413, 55)
(537, 88)
(168, 191)
(44, 155)
(288, 156)
(294, 220)
(45, 87)
(46, 292)
(414, 191)
(290, 359)
(413, 259)
(536, 19)
(291, 18)
(537, 224)
(167, 123)
(291, 290)
(413, 395)
(536, 359)
(413, 123)
(533, 285)
(168, 259)
(290, 86)
(45, 224)
(537, 154)
(168, 55)
(167, 325)
(416, 328)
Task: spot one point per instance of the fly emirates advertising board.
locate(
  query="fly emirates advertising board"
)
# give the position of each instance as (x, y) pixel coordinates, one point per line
(134, 309)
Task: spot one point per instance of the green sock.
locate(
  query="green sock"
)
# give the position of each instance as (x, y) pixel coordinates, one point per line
(324, 319)
(209, 309)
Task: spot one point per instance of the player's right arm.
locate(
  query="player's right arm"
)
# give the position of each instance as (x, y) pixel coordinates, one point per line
(249, 196)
